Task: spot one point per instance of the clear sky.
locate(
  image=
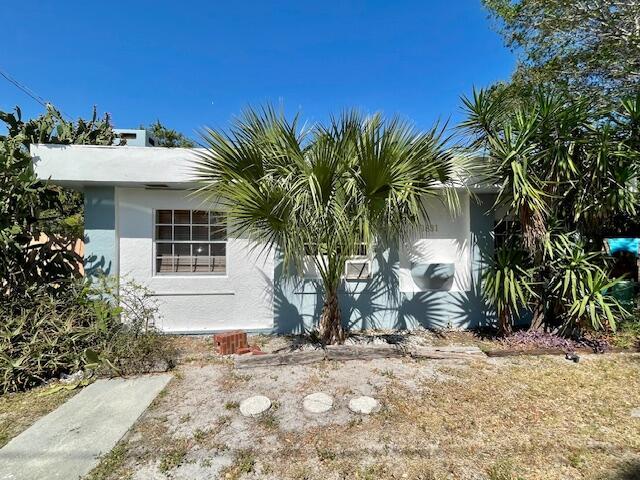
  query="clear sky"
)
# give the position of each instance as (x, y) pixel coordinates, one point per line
(194, 63)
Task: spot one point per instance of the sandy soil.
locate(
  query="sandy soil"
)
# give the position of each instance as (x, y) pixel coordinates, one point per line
(496, 419)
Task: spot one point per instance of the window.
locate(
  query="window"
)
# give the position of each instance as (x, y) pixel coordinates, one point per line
(190, 242)
(503, 230)
(357, 267)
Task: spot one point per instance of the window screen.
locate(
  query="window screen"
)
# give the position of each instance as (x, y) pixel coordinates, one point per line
(190, 242)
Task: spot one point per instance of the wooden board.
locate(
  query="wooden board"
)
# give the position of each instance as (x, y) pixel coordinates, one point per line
(358, 352)
(432, 353)
(274, 359)
(364, 352)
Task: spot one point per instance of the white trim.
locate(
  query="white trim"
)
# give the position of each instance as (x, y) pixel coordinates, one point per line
(194, 294)
(116, 232)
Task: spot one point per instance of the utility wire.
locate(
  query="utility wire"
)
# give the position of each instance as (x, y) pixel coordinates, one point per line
(29, 92)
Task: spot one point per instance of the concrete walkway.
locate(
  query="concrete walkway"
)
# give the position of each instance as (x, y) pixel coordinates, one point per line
(66, 443)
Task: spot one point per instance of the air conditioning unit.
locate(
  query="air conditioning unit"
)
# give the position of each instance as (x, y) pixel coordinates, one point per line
(357, 269)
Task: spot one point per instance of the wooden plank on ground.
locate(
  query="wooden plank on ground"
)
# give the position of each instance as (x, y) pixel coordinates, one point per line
(275, 359)
(357, 352)
(471, 349)
(437, 353)
(363, 352)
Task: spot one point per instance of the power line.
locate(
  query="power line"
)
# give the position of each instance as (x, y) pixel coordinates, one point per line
(29, 92)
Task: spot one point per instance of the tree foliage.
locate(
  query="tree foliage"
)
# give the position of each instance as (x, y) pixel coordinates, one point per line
(320, 194)
(29, 207)
(586, 48)
(167, 137)
(567, 175)
(558, 160)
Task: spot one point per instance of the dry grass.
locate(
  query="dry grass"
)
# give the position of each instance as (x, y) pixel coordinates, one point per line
(18, 411)
(530, 418)
(501, 419)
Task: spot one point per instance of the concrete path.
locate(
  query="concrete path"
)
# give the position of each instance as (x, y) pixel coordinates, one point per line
(66, 443)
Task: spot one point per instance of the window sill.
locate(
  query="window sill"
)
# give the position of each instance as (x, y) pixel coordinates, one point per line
(192, 294)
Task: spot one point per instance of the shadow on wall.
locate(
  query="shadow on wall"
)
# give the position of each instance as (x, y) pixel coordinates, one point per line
(378, 302)
(94, 267)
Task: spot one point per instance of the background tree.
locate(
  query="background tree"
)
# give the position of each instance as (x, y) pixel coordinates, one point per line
(166, 137)
(589, 49)
(321, 194)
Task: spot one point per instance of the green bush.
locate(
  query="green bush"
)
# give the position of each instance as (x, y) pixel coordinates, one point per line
(82, 326)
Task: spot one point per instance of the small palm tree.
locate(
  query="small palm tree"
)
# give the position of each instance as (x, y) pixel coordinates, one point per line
(507, 285)
(322, 193)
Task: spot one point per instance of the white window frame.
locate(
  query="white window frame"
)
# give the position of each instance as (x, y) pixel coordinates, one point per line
(366, 258)
(173, 242)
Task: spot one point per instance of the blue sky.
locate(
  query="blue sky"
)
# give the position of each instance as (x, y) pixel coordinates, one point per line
(196, 63)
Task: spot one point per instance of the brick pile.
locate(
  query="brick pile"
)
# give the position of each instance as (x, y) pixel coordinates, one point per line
(228, 343)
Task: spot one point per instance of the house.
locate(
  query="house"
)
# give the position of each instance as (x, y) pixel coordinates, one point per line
(143, 222)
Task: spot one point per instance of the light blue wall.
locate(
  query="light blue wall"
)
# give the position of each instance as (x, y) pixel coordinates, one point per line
(100, 254)
(378, 303)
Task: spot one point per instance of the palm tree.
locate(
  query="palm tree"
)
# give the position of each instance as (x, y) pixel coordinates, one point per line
(323, 193)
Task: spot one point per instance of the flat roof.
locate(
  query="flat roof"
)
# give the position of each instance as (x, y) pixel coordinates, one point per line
(78, 166)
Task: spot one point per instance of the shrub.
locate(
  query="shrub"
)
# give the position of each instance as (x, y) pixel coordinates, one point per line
(80, 326)
(508, 285)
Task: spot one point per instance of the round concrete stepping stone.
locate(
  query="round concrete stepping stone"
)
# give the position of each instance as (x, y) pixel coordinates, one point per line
(254, 406)
(318, 402)
(635, 412)
(364, 405)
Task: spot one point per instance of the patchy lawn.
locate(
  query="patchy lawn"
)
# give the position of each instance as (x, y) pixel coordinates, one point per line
(18, 411)
(495, 419)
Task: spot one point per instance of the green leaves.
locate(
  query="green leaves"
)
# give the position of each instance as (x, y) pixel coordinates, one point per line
(572, 284)
(29, 207)
(590, 49)
(580, 284)
(553, 155)
(508, 285)
(168, 137)
(358, 179)
(106, 327)
(591, 305)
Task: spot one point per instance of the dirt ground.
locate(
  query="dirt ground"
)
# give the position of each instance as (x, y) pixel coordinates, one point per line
(495, 419)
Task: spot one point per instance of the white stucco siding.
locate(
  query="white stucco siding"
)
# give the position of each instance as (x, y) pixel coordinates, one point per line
(240, 299)
(445, 244)
(80, 165)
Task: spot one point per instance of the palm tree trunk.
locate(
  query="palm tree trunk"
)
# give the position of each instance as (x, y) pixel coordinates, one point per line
(538, 321)
(331, 330)
(504, 323)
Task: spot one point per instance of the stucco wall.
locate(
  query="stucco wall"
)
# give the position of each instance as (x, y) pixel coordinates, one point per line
(382, 301)
(100, 252)
(81, 165)
(253, 294)
(242, 298)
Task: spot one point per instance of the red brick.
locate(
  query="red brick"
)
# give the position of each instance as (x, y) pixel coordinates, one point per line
(230, 342)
